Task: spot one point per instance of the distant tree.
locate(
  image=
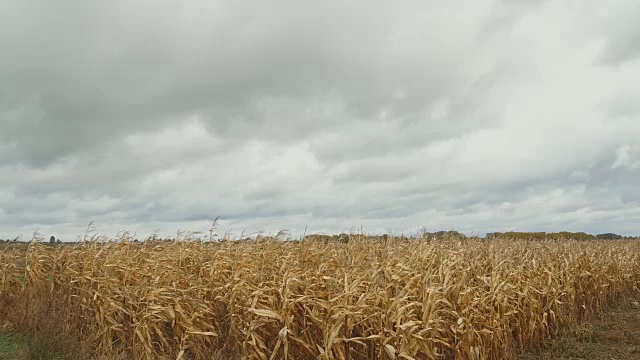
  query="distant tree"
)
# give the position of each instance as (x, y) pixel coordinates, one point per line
(446, 235)
(609, 236)
(343, 238)
(52, 240)
(58, 241)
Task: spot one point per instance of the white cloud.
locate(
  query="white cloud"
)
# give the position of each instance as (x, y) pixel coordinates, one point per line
(627, 156)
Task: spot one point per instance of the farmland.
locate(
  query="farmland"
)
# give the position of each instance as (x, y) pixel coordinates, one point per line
(363, 298)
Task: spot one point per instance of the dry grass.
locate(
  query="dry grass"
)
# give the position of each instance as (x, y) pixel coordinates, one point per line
(365, 299)
(613, 335)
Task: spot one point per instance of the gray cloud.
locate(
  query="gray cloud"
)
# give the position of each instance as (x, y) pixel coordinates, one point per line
(101, 71)
(507, 115)
(622, 32)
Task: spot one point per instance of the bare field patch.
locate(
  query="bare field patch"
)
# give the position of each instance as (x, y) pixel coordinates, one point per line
(613, 334)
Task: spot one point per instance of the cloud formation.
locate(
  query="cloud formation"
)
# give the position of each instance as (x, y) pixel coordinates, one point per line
(477, 116)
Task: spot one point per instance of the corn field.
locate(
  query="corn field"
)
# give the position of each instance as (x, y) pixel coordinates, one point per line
(271, 299)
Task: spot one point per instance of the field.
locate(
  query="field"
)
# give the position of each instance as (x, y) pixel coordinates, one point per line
(364, 298)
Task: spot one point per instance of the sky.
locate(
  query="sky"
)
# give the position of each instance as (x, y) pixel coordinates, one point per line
(330, 116)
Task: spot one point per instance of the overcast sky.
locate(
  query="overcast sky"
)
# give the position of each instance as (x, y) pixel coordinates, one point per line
(483, 115)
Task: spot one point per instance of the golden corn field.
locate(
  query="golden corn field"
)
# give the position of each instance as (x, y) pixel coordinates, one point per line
(365, 299)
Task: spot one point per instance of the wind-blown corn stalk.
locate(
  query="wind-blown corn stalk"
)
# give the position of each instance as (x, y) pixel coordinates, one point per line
(366, 299)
